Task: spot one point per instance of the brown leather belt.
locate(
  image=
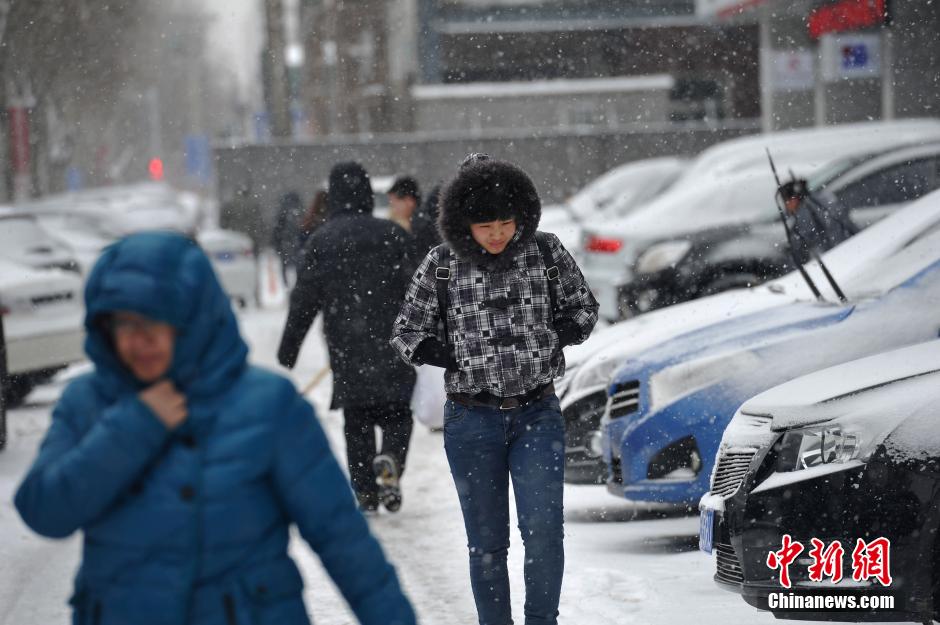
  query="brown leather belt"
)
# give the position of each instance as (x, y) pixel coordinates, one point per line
(489, 400)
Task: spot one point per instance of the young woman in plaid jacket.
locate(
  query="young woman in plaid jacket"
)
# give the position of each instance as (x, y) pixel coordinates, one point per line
(495, 305)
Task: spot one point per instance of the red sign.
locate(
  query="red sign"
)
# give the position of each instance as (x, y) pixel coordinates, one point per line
(846, 16)
(870, 560)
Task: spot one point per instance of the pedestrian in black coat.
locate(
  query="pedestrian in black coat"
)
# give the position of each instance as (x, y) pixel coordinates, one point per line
(356, 271)
(424, 223)
(286, 235)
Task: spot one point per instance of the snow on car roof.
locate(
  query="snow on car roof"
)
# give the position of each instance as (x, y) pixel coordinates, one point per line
(733, 180)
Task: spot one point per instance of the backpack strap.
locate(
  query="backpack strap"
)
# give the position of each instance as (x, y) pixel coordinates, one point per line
(442, 277)
(552, 273)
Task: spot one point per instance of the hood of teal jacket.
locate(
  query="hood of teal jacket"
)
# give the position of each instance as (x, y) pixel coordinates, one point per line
(167, 277)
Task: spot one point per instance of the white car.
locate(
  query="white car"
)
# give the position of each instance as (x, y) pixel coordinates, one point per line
(43, 318)
(730, 183)
(590, 364)
(24, 241)
(233, 259)
(87, 224)
(614, 194)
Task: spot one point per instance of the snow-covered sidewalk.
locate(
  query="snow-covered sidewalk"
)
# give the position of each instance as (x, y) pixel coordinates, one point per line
(618, 571)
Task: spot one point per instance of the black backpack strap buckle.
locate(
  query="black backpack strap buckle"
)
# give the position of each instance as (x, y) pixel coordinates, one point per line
(552, 273)
(442, 273)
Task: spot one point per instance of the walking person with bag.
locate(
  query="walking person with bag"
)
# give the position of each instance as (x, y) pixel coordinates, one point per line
(494, 305)
(355, 271)
(184, 466)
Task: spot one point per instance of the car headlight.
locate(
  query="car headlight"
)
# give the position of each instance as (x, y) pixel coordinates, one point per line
(662, 256)
(595, 373)
(814, 447)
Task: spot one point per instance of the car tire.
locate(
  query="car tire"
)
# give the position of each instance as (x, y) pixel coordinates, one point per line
(728, 281)
(16, 388)
(935, 582)
(4, 380)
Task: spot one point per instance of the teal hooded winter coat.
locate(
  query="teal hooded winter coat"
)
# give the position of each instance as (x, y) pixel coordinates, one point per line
(191, 526)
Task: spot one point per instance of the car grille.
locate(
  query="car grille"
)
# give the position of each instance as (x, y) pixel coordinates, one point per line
(616, 473)
(728, 568)
(625, 399)
(730, 472)
(583, 417)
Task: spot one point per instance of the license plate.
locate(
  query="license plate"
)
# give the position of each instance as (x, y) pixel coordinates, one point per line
(706, 530)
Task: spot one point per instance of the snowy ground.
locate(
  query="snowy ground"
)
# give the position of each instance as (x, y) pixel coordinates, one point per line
(619, 571)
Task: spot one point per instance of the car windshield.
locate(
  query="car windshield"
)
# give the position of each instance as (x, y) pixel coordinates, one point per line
(746, 197)
(621, 187)
(830, 172)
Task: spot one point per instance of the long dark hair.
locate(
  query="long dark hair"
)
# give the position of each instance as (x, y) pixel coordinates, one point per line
(316, 212)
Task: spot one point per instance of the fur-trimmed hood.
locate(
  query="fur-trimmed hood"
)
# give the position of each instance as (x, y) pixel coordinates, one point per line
(486, 190)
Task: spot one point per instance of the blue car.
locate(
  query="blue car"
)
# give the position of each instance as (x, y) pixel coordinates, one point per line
(667, 407)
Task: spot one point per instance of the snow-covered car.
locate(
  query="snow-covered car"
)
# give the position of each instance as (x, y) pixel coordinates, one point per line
(119, 211)
(624, 188)
(233, 258)
(583, 389)
(613, 194)
(43, 316)
(87, 229)
(24, 241)
(869, 187)
(844, 454)
(730, 183)
(85, 235)
(667, 406)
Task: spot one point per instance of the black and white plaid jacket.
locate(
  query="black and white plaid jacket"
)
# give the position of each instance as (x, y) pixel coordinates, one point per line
(502, 331)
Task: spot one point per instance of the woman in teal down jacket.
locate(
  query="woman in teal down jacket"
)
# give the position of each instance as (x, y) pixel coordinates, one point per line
(185, 473)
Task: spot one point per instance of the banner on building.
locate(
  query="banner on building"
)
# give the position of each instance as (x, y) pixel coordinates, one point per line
(792, 70)
(850, 57)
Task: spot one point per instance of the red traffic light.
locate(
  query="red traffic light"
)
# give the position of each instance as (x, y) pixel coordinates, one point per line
(155, 167)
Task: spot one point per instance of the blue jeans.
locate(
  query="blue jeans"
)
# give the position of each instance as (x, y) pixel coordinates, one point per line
(485, 447)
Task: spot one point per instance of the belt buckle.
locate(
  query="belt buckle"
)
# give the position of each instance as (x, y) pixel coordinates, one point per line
(510, 403)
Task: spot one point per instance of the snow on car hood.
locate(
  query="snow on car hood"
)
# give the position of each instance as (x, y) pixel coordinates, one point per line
(847, 262)
(825, 395)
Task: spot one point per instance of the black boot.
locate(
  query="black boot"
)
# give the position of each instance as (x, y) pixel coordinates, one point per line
(386, 476)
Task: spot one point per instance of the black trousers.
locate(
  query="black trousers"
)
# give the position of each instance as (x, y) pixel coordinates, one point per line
(360, 422)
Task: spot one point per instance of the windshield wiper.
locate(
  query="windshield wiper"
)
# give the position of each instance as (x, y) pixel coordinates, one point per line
(786, 227)
(812, 251)
(811, 199)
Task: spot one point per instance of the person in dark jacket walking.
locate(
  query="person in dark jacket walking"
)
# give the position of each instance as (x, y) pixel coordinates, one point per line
(424, 223)
(184, 466)
(285, 237)
(513, 298)
(356, 271)
(404, 198)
